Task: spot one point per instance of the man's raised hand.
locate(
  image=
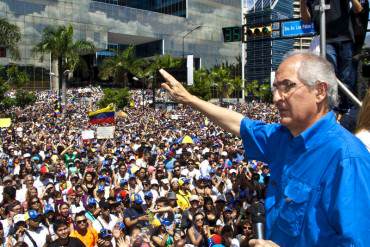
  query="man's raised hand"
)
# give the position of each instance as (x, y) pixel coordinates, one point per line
(175, 89)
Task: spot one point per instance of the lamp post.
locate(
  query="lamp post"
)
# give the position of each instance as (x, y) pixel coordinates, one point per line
(183, 39)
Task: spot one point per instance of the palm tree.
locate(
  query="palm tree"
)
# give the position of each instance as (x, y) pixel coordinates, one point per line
(119, 66)
(58, 41)
(202, 84)
(238, 86)
(162, 62)
(220, 77)
(10, 35)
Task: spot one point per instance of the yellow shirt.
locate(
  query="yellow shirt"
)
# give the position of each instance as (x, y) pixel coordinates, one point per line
(89, 239)
(183, 199)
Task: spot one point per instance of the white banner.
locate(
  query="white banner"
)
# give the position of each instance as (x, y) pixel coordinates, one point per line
(105, 132)
(87, 134)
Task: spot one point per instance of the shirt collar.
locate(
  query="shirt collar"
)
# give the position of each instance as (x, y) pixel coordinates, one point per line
(314, 133)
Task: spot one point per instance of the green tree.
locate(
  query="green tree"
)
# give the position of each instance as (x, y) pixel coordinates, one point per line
(117, 96)
(16, 77)
(58, 41)
(220, 78)
(238, 86)
(202, 85)
(260, 91)
(161, 62)
(10, 35)
(119, 66)
(24, 98)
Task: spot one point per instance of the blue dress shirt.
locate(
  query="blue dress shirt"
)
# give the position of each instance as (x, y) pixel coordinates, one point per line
(319, 191)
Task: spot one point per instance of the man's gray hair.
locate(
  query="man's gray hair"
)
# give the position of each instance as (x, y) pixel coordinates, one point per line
(315, 69)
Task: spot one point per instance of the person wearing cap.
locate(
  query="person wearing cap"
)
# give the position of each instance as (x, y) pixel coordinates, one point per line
(164, 188)
(105, 238)
(64, 239)
(87, 234)
(188, 214)
(184, 194)
(36, 234)
(136, 215)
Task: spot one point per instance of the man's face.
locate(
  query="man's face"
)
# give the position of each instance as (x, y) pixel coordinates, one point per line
(63, 232)
(297, 103)
(81, 222)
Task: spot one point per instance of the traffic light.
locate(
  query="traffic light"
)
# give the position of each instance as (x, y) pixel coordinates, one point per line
(256, 32)
(231, 34)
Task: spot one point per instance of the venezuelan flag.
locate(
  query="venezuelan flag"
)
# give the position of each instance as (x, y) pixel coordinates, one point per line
(101, 116)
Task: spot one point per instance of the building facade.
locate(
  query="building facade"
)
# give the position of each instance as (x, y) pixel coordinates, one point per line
(176, 27)
(263, 56)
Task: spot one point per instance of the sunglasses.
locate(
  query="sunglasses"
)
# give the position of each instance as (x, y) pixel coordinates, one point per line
(81, 221)
(199, 219)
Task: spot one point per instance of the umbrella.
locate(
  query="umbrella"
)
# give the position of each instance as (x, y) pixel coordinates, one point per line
(187, 140)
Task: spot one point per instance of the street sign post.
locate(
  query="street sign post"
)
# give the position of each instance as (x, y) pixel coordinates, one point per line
(296, 28)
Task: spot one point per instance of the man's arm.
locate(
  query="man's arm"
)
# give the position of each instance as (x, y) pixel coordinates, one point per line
(356, 6)
(228, 120)
(305, 13)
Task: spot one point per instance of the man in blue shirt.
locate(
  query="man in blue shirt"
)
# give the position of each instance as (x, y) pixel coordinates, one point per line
(319, 190)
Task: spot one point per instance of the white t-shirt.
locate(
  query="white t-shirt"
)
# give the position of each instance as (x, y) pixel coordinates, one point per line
(364, 136)
(101, 223)
(38, 236)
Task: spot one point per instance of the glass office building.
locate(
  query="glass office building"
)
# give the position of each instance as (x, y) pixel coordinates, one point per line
(264, 56)
(176, 27)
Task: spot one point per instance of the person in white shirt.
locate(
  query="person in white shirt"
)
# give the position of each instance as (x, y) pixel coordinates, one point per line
(36, 235)
(106, 220)
(205, 167)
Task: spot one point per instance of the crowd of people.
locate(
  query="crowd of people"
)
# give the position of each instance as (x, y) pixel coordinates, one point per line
(167, 178)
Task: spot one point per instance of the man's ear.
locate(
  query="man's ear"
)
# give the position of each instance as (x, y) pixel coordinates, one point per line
(321, 91)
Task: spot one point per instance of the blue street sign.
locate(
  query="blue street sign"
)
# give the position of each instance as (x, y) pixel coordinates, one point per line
(296, 28)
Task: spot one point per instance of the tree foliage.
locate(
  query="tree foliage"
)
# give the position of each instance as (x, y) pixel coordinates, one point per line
(24, 98)
(117, 96)
(259, 91)
(10, 35)
(58, 41)
(120, 65)
(202, 85)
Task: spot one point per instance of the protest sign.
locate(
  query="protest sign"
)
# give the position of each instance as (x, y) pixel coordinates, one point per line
(87, 134)
(105, 132)
(5, 122)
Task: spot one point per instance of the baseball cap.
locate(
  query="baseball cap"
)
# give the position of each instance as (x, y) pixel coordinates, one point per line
(228, 209)
(33, 215)
(91, 201)
(154, 181)
(48, 208)
(7, 179)
(105, 233)
(193, 198)
(148, 195)
(165, 181)
(174, 180)
(136, 198)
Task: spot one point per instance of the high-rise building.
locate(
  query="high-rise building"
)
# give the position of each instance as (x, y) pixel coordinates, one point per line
(176, 27)
(304, 42)
(264, 56)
